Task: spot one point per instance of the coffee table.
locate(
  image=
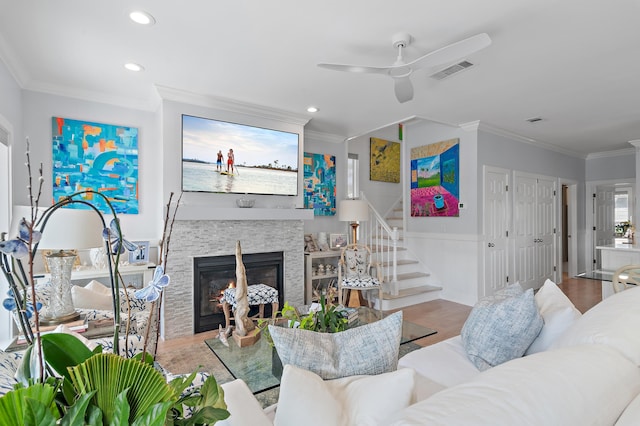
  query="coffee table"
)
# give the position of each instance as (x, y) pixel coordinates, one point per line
(253, 364)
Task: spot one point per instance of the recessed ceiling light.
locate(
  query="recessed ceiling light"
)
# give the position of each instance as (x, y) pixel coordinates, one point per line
(142, 18)
(134, 67)
(312, 109)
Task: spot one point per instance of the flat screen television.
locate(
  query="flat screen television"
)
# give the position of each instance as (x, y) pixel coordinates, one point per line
(265, 161)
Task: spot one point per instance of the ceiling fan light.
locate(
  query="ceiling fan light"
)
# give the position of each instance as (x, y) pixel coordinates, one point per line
(312, 109)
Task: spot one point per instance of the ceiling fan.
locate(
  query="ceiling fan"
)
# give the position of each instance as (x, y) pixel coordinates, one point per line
(400, 71)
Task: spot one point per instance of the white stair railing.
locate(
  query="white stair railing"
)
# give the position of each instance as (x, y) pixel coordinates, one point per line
(383, 241)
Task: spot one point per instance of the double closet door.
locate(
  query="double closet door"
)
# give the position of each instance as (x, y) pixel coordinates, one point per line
(519, 229)
(534, 229)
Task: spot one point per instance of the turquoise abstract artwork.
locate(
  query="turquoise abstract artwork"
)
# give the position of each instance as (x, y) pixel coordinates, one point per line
(98, 157)
(320, 183)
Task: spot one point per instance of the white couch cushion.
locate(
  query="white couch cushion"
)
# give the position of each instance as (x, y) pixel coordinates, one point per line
(501, 327)
(243, 406)
(631, 414)
(306, 399)
(445, 362)
(558, 314)
(580, 385)
(612, 322)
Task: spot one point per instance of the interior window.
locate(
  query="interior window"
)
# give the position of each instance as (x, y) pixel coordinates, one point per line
(353, 184)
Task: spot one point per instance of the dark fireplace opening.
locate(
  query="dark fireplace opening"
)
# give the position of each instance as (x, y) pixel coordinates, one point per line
(212, 275)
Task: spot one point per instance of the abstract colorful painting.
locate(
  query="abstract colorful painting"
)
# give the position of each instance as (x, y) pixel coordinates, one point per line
(320, 184)
(435, 180)
(96, 156)
(384, 160)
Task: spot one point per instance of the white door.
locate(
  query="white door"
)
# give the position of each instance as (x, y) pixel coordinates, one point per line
(534, 229)
(604, 220)
(496, 227)
(545, 230)
(524, 230)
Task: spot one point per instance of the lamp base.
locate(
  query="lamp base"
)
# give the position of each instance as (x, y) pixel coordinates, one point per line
(354, 232)
(61, 319)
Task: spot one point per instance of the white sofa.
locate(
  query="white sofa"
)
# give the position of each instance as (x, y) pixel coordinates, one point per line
(586, 373)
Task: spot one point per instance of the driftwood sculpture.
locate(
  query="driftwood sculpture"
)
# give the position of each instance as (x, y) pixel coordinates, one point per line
(244, 324)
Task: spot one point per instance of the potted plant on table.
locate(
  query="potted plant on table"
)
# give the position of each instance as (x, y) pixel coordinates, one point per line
(60, 380)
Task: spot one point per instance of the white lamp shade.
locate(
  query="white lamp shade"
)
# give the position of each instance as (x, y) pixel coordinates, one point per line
(353, 211)
(65, 229)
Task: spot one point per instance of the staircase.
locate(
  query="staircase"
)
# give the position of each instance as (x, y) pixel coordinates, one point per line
(405, 279)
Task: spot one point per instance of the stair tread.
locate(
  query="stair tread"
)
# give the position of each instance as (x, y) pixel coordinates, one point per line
(400, 262)
(411, 275)
(411, 291)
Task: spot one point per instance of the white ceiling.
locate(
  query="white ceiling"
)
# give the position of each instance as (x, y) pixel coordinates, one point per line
(575, 63)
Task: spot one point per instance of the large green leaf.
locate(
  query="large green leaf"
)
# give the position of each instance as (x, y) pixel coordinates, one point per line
(76, 413)
(110, 375)
(14, 404)
(63, 350)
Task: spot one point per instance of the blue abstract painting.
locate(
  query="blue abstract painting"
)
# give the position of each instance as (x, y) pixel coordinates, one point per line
(96, 156)
(320, 183)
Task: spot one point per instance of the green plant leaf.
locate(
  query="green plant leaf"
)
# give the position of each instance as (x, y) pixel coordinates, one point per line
(122, 410)
(37, 414)
(148, 359)
(154, 416)
(212, 394)
(13, 405)
(207, 415)
(94, 415)
(62, 351)
(179, 384)
(76, 413)
(110, 374)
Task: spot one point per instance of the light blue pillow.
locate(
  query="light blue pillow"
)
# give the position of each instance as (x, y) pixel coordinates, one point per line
(368, 349)
(501, 327)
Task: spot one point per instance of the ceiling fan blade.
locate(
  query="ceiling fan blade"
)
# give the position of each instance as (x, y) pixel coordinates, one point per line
(403, 89)
(355, 68)
(452, 52)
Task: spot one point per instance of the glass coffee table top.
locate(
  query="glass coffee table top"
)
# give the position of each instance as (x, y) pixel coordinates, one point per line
(253, 364)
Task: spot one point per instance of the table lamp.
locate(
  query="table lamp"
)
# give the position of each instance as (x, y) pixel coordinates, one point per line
(65, 229)
(353, 211)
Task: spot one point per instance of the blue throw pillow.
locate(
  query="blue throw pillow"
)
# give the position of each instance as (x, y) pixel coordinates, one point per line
(501, 327)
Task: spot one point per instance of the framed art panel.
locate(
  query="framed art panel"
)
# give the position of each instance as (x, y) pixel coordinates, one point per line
(97, 156)
(435, 180)
(384, 160)
(320, 183)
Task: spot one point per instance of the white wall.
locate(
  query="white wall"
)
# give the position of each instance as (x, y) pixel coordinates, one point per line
(381, 195)
(39, 108)
(614, 166)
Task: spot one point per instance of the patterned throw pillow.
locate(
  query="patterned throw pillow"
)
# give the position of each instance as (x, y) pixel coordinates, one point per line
(368, 349)
(501, 327)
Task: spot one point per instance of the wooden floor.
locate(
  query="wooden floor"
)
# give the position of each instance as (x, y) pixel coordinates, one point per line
(186, 354)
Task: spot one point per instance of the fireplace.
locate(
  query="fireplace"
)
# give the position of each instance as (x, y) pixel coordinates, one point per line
(213, 274)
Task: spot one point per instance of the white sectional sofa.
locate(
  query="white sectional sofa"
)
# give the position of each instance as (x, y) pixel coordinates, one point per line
(586, 373)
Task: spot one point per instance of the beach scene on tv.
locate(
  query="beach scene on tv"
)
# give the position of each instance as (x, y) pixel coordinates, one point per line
(219, 156)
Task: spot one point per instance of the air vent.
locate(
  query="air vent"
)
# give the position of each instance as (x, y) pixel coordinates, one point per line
(453, 69)
(534, 119)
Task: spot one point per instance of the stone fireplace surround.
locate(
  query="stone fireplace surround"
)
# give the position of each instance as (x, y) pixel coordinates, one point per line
(196, 238)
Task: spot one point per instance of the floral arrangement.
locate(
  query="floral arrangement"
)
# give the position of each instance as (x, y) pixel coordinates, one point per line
(60, 380)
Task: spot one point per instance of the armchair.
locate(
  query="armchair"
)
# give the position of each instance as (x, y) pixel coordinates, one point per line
(354, 272)
(626, 277)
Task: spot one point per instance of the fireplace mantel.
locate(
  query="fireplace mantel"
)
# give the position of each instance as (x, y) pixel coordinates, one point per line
(205, 212)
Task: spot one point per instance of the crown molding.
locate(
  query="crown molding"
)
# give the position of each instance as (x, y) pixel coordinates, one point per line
(511, 135)
(636, 143)
(616, 153)
(209, 101)
(324, 137)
